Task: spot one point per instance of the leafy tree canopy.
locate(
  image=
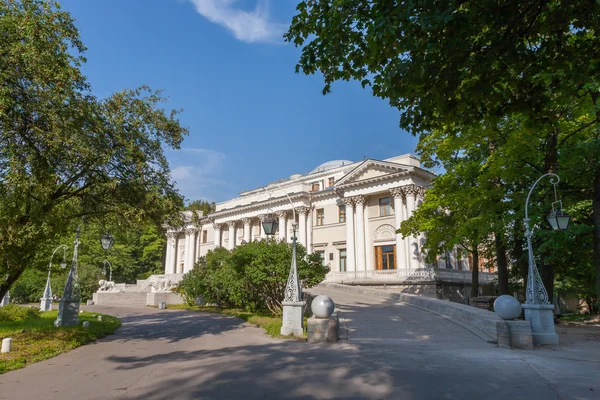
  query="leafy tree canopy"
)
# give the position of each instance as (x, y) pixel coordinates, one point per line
(64, 154)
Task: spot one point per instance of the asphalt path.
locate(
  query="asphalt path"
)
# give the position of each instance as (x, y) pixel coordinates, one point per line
(393, 351)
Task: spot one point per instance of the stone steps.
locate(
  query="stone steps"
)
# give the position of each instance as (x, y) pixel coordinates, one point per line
(121, 299)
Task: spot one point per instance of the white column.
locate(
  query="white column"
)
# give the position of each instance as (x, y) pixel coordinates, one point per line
(188, 263)
(217, 228)
(238, 233)
(198, 243)
(360, 232)
(370, 251)
(247, 229)
(302, 211)
(398, 194)
(309, 228)
(282, 224)
(171, 253)
(290, 228)
(231, 242)
(263, 235)
(413, 246)
(350, 266)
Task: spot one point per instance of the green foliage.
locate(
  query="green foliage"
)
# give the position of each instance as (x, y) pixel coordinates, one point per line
(201, 205)
(499, 93)
(64, 154)
(35, 338)
(251, 277)
(14, 312)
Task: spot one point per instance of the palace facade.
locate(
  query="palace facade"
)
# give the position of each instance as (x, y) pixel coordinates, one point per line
(346, 211)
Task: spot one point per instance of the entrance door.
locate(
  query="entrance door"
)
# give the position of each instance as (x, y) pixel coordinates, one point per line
(385, 257)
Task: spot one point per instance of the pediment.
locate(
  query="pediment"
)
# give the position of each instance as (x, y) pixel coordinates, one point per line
(372, 170)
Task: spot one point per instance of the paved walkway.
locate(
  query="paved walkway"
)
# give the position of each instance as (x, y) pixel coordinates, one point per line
(393, 352)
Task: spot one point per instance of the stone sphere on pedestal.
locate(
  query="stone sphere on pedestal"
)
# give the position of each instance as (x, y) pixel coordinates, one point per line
(322, 306)
(507, 307)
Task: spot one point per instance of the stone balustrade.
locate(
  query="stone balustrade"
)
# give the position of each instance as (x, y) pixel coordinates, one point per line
(406, 275)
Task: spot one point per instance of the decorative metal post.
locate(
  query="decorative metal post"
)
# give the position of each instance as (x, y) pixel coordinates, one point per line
(110, 269)
(68, 310)
(46, 301)
(538, 310)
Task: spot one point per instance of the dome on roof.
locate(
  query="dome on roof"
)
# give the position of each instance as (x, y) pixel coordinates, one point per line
(331, 165)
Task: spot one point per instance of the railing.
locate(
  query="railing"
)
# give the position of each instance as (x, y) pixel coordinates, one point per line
(407, 275)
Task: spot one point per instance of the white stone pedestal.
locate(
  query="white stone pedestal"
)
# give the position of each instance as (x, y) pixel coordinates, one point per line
(293, 320)
(46, 304)
(541, 317)
(5, 300)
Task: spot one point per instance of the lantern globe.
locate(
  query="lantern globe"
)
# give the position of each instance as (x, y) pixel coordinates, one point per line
(559, 220)
(269, 225)
(107, 241)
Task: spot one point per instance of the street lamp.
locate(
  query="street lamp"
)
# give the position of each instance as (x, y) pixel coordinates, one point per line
(538, 310)
(293, 305)
(269, 224)
(107, 241)
(68, 309)
(46, 301)
(110, 269)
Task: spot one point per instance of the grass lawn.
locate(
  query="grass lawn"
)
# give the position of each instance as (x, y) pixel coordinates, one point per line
(35, 340)
(268, 322)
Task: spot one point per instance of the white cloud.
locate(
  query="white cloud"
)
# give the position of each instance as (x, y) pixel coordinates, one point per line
(197, 173)
(247, 26)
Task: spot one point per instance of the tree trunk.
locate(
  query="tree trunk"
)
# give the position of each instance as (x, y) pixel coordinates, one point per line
(519, 254)
(596, 222)
(475, 273)
(502, 264)
(6, 284)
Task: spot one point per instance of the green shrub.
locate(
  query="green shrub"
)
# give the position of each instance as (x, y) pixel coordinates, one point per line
(251, 277)
(14, 312)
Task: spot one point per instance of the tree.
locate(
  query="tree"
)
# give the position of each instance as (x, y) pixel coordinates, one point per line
(451, 67)
(201, 205)
(253, 276)
(64, 154)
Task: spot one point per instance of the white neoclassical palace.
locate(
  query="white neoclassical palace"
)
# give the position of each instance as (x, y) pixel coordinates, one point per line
(346, 211)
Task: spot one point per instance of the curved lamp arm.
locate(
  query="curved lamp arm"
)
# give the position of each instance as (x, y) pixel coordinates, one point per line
(553, 181)
(62, 246)
(288, 197)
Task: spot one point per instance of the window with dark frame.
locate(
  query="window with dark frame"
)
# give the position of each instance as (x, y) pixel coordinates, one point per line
(342, 213)
(204, 236)
(342, 260)
(385, 206)
(320, 216)
(315, 187)
(331, 181)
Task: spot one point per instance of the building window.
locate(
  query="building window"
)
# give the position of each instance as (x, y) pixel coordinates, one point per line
(204, 236)
(342, 213)
(385, 206)
(385, 257)
(331, 181)
(342, 260)
(315, 187)
(322, 255)
(320, 216)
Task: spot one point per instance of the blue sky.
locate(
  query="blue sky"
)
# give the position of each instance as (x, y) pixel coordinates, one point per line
(252, 119)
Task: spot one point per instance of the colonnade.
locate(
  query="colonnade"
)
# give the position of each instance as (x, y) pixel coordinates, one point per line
(236, 229)
(359, 244)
